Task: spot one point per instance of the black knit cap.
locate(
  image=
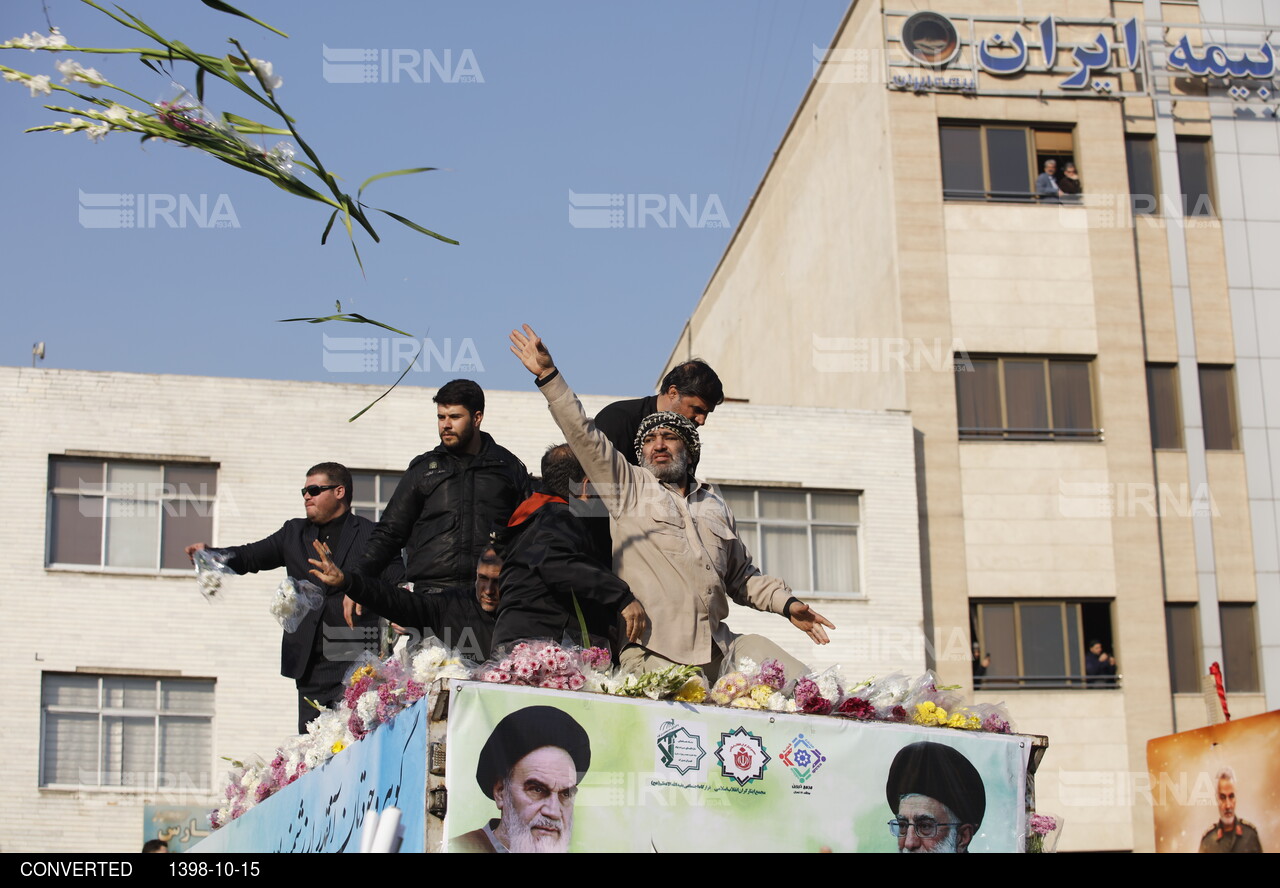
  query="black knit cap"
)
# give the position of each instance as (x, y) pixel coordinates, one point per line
(525, 730)
(681, 425)
(940, 772)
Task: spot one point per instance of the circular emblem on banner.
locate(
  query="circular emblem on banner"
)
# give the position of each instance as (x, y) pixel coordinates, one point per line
(930, 38)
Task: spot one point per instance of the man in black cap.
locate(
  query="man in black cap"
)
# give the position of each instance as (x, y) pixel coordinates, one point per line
(937, 799)
(530, 766)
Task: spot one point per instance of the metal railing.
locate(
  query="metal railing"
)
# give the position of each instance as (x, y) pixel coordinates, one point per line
(1046, 682)
(982, 433)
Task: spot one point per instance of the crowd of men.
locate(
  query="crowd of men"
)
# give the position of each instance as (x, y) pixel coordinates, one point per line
(620, 532)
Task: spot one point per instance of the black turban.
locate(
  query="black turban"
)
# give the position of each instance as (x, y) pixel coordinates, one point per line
(525, 730)
(941, 773)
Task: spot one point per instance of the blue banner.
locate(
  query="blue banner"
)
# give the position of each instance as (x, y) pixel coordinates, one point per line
(324, 810)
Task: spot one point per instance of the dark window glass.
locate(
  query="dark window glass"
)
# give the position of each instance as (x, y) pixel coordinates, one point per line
(1183, 637)
(978, 397)
(1140, 153)
(1007, 165)
(1039, 644)
(1043, 645)
(1162, 406)
(1193, 170)
(1041, 399)
(995, 162)
(1072, 398)
(1218, 407)
(962, 161)
(1239, 648)
(1026, 409)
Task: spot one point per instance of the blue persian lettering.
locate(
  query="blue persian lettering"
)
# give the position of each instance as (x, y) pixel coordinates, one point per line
(1214, 60)
(1003, 64)
(1089, 60)
(1049, 42)
(1131, 43)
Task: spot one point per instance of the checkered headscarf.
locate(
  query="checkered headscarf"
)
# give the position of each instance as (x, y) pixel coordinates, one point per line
(682, 426)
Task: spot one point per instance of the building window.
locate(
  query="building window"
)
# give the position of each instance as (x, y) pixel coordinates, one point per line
(116, 730)
(1218, 407)
(1025, 399)
(1042, 644)
(1182, 636)
(808, 538)
(1140, 154)
(128, 514)
(999, 162)
(1239, 648)
(372, 492)
(1194, 171)
(1162, 406)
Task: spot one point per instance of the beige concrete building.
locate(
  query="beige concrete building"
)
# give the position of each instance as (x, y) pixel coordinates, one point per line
(126, 688)
(1088, 376)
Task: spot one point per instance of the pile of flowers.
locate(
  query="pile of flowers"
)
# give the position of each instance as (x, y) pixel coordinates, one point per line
(376, 692)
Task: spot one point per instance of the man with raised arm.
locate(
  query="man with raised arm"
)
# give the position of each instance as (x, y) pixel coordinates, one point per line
(675, 542)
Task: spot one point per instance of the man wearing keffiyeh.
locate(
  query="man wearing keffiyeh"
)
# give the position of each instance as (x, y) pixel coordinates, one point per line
(674, 538)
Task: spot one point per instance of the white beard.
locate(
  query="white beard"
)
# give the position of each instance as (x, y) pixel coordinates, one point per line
(674, 472)
(946, 846)
(518, 836)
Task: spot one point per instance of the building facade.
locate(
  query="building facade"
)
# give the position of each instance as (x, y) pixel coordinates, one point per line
(1091, 377)
(128, 689)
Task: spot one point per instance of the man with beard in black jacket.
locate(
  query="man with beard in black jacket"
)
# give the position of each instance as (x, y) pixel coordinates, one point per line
(551, 556)
(450, 500)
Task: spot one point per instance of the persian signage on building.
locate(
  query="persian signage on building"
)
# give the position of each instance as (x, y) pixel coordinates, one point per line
(1075, 58)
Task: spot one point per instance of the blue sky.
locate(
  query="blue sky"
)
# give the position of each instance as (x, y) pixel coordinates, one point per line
(647, 100)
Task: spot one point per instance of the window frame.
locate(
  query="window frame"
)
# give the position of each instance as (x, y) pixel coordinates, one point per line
(163, 501)
(759, 554)
(103, 712)
(1150, 161)
(1033, 155)
(378, 503)
(1210, 185)
(1228, 404)
(1022, 681)
(1232, 657)
(1015, 434)
(1174, 407)
(1178, 657)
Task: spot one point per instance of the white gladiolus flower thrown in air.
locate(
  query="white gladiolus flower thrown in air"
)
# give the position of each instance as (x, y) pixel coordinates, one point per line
(264, 70)
(73, 72)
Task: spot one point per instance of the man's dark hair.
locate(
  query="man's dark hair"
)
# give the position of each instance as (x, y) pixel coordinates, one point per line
(337, 473)
(490, 555)
(463, 392)
(695, 378)
(155, 846)
(562, 474)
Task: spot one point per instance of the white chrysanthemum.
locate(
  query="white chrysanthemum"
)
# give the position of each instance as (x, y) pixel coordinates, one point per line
(367, 708)
(748, 666)
(829, 686)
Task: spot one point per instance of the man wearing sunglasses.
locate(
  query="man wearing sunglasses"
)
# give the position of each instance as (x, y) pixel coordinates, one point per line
(319, 652)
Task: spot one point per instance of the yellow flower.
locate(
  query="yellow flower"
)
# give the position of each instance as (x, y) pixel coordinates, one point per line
(338, 747)
(761, 694)
(692, 691)
(929, 713)
(365, 670)
(745, 703)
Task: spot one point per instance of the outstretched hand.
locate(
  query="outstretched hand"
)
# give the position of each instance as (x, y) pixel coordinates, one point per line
(324, 569)
(532, 353)
(810, 622)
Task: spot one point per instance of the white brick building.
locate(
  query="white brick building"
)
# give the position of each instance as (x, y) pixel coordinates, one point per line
(142, 676)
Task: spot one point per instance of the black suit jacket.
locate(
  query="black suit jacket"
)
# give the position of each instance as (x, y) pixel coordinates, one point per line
(291, 547)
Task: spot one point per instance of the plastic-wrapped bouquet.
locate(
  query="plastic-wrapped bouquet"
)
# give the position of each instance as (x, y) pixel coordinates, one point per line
(748, 685)
(539, 664)
(211, 567)
(663, 684)
(293, 600)
(432, 661)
